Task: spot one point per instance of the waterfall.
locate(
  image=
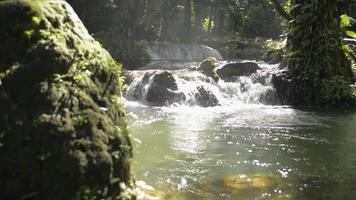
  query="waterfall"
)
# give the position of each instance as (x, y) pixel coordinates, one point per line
(163, 51)
(193, 88)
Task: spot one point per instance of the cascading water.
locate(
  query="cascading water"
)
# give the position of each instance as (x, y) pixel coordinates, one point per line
(254, 89)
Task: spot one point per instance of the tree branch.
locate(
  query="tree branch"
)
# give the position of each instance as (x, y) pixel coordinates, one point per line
(281, 10)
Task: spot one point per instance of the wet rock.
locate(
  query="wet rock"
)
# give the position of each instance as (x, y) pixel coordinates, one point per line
(237, 69)
(270, 97)
(205, 97)
(208, 67)
(63, 131)
(283, 83)
(163, 90)
(165, 79)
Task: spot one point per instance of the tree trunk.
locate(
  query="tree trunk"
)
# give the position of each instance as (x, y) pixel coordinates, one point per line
(281, 10)
(219, 19)
(187, 20)
(198, 16)
(315, 51)
(211, 15)
(165, 16)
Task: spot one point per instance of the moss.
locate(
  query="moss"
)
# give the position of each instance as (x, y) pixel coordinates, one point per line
(61, 115)
(208, 67)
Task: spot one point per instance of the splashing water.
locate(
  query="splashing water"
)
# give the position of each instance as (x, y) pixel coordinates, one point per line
(254, 89)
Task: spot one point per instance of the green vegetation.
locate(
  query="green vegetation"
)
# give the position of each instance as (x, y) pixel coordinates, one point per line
(208, 67)
(315, 53)
(124, 27)
(63, 129)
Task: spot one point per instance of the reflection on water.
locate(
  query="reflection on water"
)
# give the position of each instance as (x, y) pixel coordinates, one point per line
(244, 152)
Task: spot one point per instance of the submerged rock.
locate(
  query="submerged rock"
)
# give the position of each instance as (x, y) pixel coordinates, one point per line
(63, 128)
(208, 67)
(163, 90)
(237, 69)
(206, 98)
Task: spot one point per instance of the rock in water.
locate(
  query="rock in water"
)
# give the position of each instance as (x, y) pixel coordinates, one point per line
(205, 97)
(63, 128)
(208, 67)
(237, 69)
(163, 90)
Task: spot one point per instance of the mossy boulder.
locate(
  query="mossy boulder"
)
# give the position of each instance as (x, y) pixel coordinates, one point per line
(63, 130)
(237, 69)
(208, 67)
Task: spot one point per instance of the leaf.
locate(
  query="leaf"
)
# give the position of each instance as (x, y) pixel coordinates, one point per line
(36, 20)
(351, 34)
(345, 21)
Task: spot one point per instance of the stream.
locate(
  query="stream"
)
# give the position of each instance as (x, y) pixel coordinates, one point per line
(246, 147)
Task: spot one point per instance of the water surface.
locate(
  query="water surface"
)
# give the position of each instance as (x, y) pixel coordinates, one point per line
(245, 152)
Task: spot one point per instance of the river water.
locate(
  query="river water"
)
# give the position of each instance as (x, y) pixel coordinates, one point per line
(242, 149)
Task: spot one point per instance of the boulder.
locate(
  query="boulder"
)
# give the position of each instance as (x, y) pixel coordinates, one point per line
(63, 131)
(163, 90)
(205, 97)
(237, 69)
(165, 79)
(208, 67)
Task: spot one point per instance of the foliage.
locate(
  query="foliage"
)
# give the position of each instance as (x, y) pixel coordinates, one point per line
(345, 23)
(315, 52)
(205, 24)
(208, 67)
(337, 91)
(120, 24)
